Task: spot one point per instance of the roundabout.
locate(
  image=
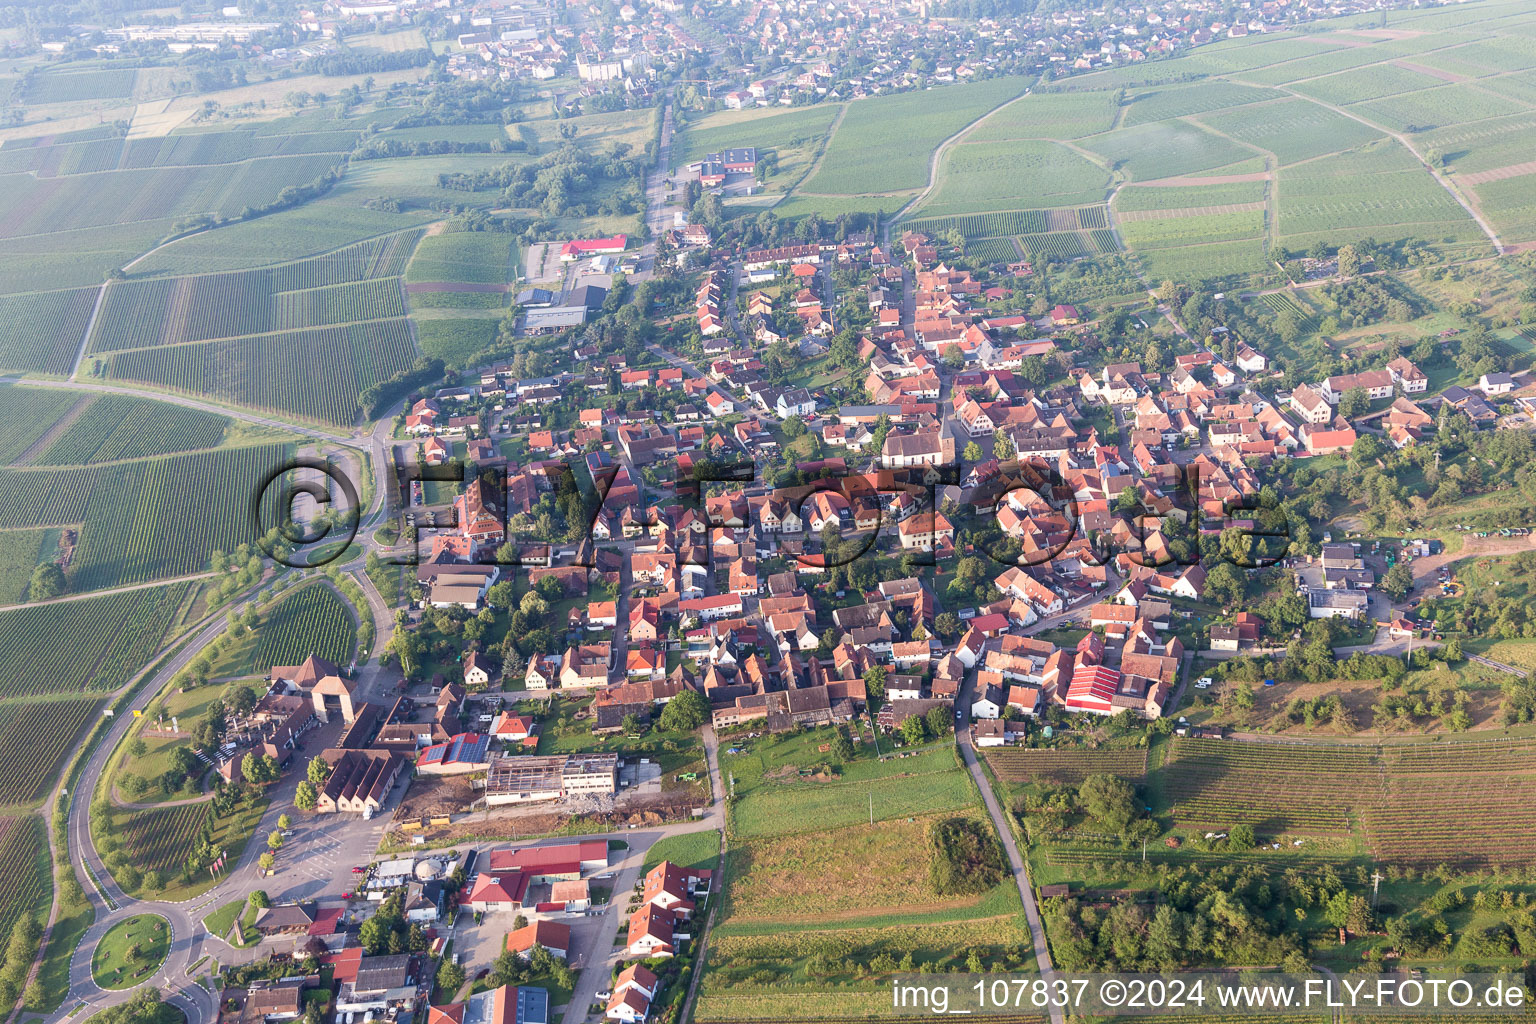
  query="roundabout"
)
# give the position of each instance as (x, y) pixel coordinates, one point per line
(131, 951)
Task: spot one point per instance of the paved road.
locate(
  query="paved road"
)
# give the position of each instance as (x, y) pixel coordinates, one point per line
(1016, 863)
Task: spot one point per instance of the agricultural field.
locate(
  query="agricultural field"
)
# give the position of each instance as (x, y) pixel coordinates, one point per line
(476, 257)
(35, 737)
(778, 793)
(115, 427)
(1367, 83)
(1167, 102)
(1132, 199)
(93, 645)
(1292, 129)
(853, 872)
(866, 157)
(358, 282)
(20, 553)
(25, 870)
(455, 341)
(30, 205)
(1510, 206)
(158, 839)
(1407, 803)
(980, 177)
(314, 620)
(1065, 115)
(78, 86)
(1165, 149)
(40, 332)
(1380, 191)
(29, 412)
(1057, 245)
(1068, 766)
(1212, 261)
(145, 520)
(315, 374)
(1482, 146)
(1436, 108)
(289, 236)
(1165, 232)
(991, 250)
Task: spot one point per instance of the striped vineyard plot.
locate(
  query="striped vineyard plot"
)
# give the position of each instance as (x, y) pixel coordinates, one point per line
(1219, 783)
(90, 645)
(312, 621)
(1283, 303)
(24, 887)
(35, 735)
(992, 250)
(315, 374)
(1065, 766)
(1061, 245)
(145, 520)
(358, 282)
(40, 332)
(985, 225)
(1104, 240)
(118, 427)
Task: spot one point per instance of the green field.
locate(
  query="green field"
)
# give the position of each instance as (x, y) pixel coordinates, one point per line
(314, 374)
(1068, 115)
(357, 282)
(455, 341)
(29, 412)
(1199, 229)
(40, 332)
(983, 176)
(693, 850)
(143, 520)
(35, 738)
(1379, 191)
(314, 620)
(866, 157)
(79, 86)
(1170, 101)
(1292, 129)
(1132, 199)
(1367, 83)
(1164, 149)
(20, 552)
(25, 869)
(117, 427)
(1436, 108)
(92, 645)
(479, 257)
(773, 799)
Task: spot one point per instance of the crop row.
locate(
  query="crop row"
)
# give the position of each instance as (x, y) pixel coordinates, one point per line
(173, 310)
(122, 427)
(40, 332)
(985, 225)
(1061, 245)
(29, 412)
(23, 868)
(143, 520)
(1104, 240)
(34, 737)
(316, 374)
(1091, 217)
(991, 250)
(160, 839)
(1017, 764)
(1283, 303)
(94, 644)
(312, 621)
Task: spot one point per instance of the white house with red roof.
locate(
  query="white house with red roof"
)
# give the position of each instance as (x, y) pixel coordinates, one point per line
(633, 991)
(581, 248)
